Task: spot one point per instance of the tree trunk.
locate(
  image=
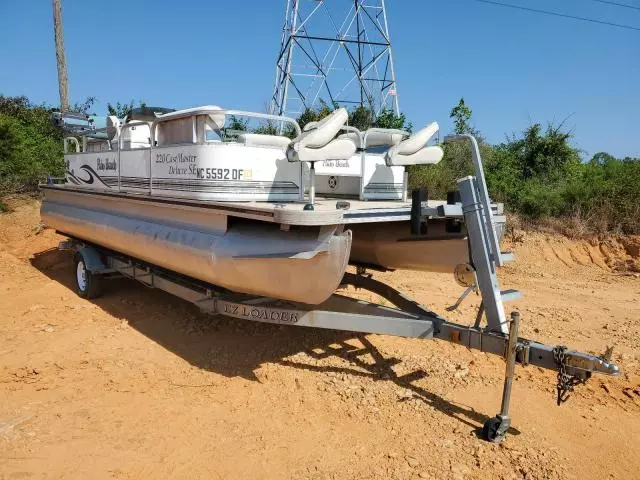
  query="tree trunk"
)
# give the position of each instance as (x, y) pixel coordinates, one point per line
(60, 57)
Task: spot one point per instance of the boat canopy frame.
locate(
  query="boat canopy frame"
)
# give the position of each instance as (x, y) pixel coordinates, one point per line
(90, 131)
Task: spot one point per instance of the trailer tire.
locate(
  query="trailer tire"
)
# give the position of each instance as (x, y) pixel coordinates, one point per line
(88, 285)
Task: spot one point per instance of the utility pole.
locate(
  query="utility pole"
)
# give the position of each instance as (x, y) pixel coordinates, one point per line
(63, 86)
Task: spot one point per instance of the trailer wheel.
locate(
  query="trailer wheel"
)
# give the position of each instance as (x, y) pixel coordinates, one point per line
(88, 285)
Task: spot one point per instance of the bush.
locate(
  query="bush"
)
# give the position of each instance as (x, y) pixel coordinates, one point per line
(30, 146)
(540, 176)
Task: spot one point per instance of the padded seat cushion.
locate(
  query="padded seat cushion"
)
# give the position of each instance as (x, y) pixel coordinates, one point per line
(413, 151)
(338, 149)
(427, 156)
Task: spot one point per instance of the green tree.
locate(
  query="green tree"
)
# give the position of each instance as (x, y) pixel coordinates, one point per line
(122, 110)
(602, 158)
(84, 107)
(310, 115)
(543, 154)
(388, 119)
(461, 115)
(361, 117)
(238, 124)
(268, 128)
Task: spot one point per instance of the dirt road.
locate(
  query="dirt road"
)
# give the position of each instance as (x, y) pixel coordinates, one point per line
(137, 384)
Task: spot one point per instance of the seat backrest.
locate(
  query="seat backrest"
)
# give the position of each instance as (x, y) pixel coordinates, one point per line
(375, 137)
(418, 140)
(325, 130)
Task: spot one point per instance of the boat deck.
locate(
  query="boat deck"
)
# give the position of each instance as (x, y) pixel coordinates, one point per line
(327, 211)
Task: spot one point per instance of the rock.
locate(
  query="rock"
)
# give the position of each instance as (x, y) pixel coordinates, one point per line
(405, 394)
(461, 373)
(412, 461)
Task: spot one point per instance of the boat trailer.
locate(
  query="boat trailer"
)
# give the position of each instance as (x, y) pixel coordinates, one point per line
(407, 319)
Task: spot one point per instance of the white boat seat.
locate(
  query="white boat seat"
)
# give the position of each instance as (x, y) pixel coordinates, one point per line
(427, 156)
(413, 151)
(338, 149)
(261, 140)
(310, 126)
(318, 144)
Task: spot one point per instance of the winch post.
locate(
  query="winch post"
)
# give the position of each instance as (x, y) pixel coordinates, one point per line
(479, 230)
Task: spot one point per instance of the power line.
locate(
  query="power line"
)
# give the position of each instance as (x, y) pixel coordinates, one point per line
(618, 4)
(547, 12)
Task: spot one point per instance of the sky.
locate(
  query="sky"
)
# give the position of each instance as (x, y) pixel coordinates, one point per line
(512, 67)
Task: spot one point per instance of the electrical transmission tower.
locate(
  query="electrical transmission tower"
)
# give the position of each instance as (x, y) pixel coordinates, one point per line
(336, 51)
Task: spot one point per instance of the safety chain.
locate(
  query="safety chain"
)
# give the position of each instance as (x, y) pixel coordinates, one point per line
(566, 382)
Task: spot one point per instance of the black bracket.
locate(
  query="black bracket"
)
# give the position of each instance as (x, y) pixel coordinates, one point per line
(418, 224)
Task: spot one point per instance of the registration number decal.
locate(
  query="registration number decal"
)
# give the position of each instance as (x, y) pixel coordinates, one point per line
(221, 173)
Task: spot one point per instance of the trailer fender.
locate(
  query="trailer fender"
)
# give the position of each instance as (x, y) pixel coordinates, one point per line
(92, 259)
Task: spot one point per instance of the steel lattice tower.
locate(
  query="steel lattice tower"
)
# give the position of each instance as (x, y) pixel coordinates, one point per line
(337, 51)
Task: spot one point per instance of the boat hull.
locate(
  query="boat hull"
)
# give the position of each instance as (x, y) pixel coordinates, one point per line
(304, 264)
(390, 245)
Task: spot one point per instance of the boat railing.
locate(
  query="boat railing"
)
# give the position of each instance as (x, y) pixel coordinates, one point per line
(72, 140)
(195, 112)
(88, 130)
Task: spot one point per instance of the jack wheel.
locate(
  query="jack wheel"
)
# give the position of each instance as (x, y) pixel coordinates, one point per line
(88, 285)
(495, 429)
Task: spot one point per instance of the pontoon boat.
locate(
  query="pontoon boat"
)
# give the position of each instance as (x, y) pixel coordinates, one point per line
(262, 227)
(251, 212)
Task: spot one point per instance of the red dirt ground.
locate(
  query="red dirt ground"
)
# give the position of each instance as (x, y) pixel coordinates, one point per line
(138, 384)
